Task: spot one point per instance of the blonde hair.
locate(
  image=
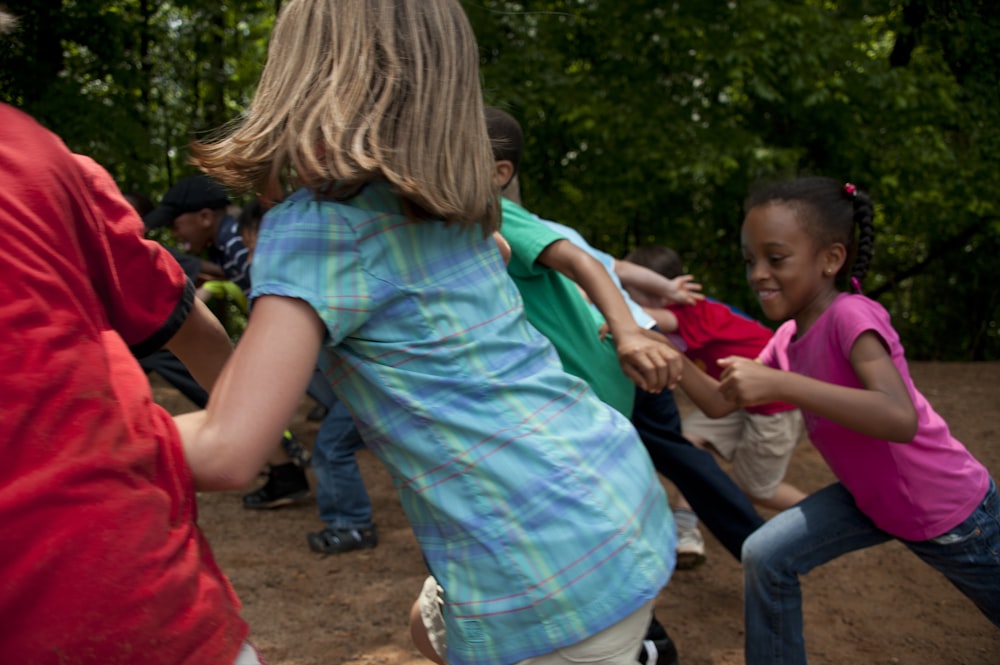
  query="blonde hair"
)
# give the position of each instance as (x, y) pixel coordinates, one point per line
(359, 90)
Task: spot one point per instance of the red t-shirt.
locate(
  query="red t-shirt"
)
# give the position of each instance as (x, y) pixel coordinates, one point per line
(712, 330)
(100, 557)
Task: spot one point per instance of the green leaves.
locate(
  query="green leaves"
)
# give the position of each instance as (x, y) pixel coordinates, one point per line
(645, 121)
(649, 122)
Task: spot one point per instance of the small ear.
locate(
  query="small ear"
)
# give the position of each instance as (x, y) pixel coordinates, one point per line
(833, 258)
(505, 171)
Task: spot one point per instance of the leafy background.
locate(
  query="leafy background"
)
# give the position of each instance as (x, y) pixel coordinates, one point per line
(646, 121)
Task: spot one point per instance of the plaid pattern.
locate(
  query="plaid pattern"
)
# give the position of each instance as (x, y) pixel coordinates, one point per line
(534, 503)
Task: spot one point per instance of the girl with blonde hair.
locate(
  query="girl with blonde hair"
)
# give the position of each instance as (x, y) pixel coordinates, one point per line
(537, 510)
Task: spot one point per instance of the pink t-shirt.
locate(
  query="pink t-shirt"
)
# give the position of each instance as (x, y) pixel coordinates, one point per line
(916, 490)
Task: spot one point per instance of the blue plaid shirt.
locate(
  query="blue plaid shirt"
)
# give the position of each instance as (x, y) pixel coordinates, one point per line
(535, 504)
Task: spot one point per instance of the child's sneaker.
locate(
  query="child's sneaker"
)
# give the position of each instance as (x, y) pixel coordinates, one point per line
(286, 484)
(690, 548)
(295, 449)
(338, 541)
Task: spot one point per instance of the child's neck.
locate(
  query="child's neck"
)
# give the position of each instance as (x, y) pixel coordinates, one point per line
(806, 317)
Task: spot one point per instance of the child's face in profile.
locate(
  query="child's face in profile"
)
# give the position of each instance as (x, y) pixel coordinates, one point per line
(193, 230)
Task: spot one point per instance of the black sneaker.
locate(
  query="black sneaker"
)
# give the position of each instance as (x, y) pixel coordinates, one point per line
(657, 647)
(338, 541)
(295, 449)
(286, 484)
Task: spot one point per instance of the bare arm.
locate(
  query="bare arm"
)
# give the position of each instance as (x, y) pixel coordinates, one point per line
(682, 290)
(666, 321)
(202, 344)
(255, 397)
(650, 363)
(704, 391)
(881, 409)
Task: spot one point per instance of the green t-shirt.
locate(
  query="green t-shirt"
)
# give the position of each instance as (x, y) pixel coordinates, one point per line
(555, 307)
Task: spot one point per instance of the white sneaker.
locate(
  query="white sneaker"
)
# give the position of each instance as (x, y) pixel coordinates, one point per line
(690, 548)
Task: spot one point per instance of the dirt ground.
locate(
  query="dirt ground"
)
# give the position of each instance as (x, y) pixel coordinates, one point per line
(878, 606)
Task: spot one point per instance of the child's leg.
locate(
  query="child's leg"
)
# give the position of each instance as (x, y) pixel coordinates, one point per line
(822, 527)
(969, 555)
(343, 500)
(761, 458)
(722, 507)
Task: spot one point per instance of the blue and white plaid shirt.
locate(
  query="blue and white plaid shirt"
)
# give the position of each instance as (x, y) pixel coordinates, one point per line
(535, 504)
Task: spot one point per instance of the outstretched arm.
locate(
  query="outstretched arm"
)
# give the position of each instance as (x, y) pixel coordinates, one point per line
(202, 344)
(704, 391)
(881, 409)
(650, 363)
(256, 395)
(682, 290)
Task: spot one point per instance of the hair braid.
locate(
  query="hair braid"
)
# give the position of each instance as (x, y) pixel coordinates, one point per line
(864, 222)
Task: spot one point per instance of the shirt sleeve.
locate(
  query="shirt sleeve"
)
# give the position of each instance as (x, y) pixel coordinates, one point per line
(775, 352)
(528, 237)
(855, 315)
(145, 293)
(314, 258)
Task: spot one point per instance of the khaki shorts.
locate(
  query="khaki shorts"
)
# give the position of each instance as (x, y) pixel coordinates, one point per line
(759, 446)
(617, 645)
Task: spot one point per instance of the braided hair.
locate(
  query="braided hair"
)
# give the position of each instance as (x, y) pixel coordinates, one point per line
(833, 212)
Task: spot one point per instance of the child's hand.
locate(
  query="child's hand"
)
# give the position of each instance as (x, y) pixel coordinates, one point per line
(648, 360)
(684, 291)
(747, 382)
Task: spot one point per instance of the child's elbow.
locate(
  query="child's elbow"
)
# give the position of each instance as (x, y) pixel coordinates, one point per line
(906, 429)
(718, 410)
(221, 468)
(908, 434)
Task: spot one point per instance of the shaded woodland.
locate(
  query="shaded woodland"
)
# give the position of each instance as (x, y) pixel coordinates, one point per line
(646, 121)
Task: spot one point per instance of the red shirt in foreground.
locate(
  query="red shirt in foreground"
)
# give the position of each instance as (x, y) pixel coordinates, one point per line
(100, 557)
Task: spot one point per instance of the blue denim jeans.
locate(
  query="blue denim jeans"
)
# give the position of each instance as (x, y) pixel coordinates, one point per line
(828, 524)
(341, 495)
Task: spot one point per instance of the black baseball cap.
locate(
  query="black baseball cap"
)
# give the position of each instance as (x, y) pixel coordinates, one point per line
(188, 194)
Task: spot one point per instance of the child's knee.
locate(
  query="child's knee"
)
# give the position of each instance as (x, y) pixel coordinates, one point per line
(757, 548)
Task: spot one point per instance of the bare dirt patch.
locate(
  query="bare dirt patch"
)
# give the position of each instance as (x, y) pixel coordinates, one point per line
(878, 606)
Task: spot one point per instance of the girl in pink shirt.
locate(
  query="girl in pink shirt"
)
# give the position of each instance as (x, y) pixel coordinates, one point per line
(901, 473)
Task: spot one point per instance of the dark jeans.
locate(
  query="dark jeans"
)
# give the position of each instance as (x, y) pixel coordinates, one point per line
(341, 494)
(719, 503)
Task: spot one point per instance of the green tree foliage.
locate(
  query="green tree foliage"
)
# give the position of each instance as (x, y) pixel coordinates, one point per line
(646, 121)
(650, 122)
(131, 82)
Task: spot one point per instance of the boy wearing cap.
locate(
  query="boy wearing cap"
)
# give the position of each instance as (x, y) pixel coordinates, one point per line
(195, 210)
